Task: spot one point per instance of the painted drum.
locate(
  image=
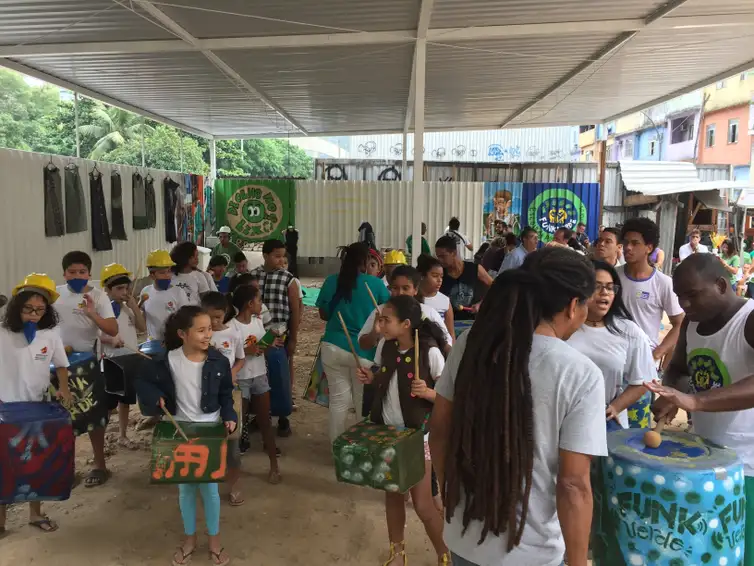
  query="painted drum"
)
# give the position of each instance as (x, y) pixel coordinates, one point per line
(152, 348)
(461, 326)
(681, 504)
(91, 406)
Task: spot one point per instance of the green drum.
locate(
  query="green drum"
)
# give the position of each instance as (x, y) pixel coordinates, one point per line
(380, 456)
(200, 460)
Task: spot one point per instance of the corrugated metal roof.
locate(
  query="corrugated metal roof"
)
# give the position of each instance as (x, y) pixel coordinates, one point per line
(655, 178)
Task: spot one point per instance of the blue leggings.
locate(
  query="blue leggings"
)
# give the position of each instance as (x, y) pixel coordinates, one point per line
(211, 501)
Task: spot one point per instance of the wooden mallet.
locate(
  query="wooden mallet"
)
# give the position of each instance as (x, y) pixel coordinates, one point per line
(653, 438)
(350, 342)
(175, 423)
(371, 296)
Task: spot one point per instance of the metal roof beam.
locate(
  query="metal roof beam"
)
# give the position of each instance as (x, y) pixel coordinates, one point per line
(179, 31)
(371, 38)
(618, 42)
(422, 30)
(62, 83)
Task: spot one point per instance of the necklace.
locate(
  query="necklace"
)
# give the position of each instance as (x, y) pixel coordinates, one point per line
(594, 323)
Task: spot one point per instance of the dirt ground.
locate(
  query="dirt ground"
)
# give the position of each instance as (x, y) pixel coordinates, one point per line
(309, 519)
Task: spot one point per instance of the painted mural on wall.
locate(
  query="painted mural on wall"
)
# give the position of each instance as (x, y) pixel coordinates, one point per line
(255, 210)
(680, 504)
(502, 203)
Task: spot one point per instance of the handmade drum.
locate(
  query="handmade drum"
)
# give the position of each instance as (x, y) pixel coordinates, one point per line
(152, 348)
(680, 504)
(90, 409)
(380, 456)
(461, 326)
(120, 373)
(201, 460)
(317, 391)
(36, 451)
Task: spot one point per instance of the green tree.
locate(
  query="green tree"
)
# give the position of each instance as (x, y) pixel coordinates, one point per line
(60, 128)
(262, 158)
(22, 110)
(162, 150)
(112, 128)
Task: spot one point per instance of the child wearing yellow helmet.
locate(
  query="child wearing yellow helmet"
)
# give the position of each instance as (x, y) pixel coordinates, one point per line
(29, 344)
(160, 299)
(393, 259)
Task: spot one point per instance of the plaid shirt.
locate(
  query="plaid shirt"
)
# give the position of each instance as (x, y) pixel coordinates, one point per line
(274, 287)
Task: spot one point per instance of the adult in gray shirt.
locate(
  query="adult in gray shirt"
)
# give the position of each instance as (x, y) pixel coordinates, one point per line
(515, 477)
(515, 259)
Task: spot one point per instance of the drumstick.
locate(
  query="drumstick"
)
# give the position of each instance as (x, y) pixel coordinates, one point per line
(350, 342)
(175, 423)
(371, 295)
(416, 354)
(137, 351)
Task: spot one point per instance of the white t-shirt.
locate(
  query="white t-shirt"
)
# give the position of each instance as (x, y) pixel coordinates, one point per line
(461, 241)
(229, 343)
(187, 376)
(686, 250)
(206, 283)
(646, 300)
(158, 306)
(76, 329)
(391, 406)
(25, 368)
(126, 332)
(440, 302)
(427, 312)
(250, 334)
(300, 288)
(190, 284)
(624, 359)
(569, 414)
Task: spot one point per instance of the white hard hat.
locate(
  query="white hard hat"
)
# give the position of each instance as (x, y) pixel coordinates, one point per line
(224, 230)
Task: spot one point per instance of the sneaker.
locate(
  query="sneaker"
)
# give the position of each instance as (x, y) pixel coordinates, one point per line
(285, 432)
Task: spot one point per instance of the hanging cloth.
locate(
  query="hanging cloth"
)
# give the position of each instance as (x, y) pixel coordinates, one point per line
(53, 202)
(209, 209)
(170, 204)
(139, 200)
(151, 202)
(100, 230)
(75, 202)
(118, 231)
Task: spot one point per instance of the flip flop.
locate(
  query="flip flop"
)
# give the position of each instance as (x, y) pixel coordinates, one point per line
(45, 521)
(236, 499)
(96, 478)
(216, 559)
(274, 477)
(185, 556)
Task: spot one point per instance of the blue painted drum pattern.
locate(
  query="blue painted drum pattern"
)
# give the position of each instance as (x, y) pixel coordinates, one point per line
(680, 504)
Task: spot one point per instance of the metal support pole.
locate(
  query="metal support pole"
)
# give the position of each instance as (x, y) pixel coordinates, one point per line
(404, 168)
(143, 153)
(212, 161)
(418, 213)
(181, 136)
(76, 122)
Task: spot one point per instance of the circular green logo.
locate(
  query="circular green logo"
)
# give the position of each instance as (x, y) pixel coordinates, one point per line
(254, 212)
(707, 370)
(553, 209)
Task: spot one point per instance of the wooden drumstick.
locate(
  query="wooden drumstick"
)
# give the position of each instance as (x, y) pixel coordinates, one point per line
(653, 438)
(350, 342)
(174, 422)
(137, 351)
(416, 354)
(371, 296)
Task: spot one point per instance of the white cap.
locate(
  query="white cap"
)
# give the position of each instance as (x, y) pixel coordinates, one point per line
(224, 230)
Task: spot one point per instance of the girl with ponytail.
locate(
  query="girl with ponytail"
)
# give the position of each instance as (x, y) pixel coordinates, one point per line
(403, 399)
(518, 416)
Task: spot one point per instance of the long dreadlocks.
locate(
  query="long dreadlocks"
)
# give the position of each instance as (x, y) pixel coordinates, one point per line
(491, 451)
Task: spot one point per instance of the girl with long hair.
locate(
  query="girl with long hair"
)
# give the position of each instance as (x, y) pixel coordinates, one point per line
(431, 272)
(730, 260)
(612, 340)
(518, 417)
(404, 399)
(193, 382)
(345, 295)
(187, 276)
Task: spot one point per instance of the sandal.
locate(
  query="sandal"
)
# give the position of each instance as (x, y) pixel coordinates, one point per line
(97, 478)
(236, 499)
(394, 554)
(185, 557)
(45, 524)
(216, 558)
(444, 560)
(274, 477)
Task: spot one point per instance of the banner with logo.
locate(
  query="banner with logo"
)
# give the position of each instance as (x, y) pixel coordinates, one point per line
(255, 210)
(502, 203)
(549, 206)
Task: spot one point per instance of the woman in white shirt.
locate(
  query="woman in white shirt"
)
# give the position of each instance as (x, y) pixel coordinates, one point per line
(431, 272)
(612, 340)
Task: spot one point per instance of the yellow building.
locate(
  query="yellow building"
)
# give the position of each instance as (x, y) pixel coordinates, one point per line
(733, 91)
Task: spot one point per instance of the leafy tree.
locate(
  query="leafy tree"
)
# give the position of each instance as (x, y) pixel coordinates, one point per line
(162, 150)
(113, 127)
(262, 158)
(22, 109)
(60, 128)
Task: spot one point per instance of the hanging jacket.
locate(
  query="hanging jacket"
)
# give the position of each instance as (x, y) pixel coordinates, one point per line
(170, 202)
(139, 200)
(75, 202)
(118, 231)
(151, 202)
(100, 230)
(415, 411)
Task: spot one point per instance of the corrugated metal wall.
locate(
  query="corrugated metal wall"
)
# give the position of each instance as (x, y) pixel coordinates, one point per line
(22, 230)
(329, 213)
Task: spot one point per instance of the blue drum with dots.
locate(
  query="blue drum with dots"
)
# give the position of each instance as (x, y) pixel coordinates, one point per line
(680, 504)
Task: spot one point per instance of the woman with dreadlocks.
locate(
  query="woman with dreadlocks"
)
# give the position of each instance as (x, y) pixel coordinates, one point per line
(346, 295)
(518, 416)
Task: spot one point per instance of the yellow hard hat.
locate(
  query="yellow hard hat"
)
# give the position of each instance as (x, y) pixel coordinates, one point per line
(395, 257)
(38, 282)
(113, 270)
(159, 258)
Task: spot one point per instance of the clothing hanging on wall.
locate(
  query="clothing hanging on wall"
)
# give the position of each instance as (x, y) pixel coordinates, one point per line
(100, 230)
(118, 231)
(53, 202)
(139, 202)
(151, 202)
(170, 203)
(291, 246)
(75, 202)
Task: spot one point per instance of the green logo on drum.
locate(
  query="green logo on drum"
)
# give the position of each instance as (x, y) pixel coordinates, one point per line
(706, 369)
(553, 209)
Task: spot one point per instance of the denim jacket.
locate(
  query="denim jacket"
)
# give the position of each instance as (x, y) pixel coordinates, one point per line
(155, 381)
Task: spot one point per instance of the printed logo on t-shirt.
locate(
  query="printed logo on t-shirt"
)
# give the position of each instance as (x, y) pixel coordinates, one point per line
(226, 344)
(170, 306)
(250, 341)
(707, 370)
(644, 295)
(42, 355)
(186, 287)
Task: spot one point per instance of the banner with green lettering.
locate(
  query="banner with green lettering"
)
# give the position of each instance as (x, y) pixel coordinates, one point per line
(255, 209)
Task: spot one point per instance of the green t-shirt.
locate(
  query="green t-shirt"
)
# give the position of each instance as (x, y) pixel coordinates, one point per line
(733, 261)
(425, 245)
(228, 252)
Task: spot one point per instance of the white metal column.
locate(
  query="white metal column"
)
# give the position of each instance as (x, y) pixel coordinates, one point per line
(420, 64)
(404, 168)
(212, 161)
(143, 153)
(76, 122)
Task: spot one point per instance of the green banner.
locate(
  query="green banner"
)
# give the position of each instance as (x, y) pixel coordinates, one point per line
(255, 210)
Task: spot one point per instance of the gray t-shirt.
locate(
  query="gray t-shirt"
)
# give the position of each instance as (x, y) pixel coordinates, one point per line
(568, 395)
